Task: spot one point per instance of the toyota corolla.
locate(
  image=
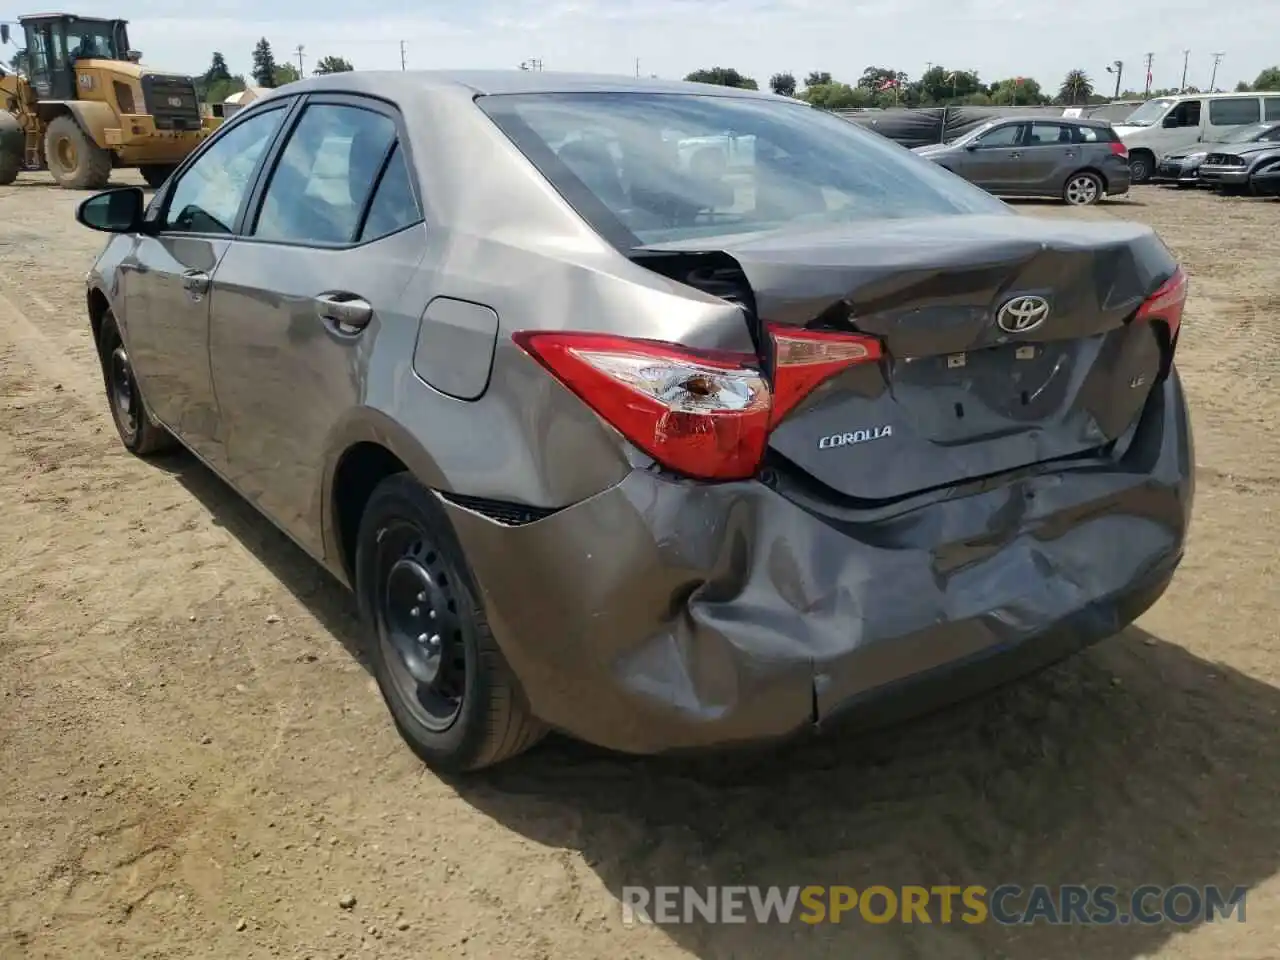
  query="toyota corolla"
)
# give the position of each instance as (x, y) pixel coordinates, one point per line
(660, 450)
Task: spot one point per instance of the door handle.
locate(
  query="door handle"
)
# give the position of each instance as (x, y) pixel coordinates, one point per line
(1015, 154)
(346, 312)
(195, 283)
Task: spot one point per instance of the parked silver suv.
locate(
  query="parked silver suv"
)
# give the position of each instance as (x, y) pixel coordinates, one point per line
(1079, 160)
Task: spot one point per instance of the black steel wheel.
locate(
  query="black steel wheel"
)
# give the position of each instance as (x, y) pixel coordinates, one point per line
(138, 432)
(450, 691)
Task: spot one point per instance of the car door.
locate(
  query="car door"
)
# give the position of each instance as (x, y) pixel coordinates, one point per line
(990, 161)
(1049, 153)
(316, 274)
(167, 282)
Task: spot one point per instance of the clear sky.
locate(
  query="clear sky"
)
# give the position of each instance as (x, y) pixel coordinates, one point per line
(998, 38)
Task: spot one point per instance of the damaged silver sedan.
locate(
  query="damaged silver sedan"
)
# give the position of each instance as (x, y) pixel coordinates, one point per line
(665, 415)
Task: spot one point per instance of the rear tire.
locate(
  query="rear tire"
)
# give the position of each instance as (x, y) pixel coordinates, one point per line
(156, 174)
(448, 687)
(76, 162)
(140, 435)
(1083, 189)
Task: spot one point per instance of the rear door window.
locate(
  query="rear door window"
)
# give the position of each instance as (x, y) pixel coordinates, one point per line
(394, 206)
(1234, 112)
(1272, 105)
(325, 175)
(1049, 134)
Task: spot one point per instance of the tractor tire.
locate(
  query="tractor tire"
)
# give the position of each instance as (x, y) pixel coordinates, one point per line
(156, 174)
(10, 166)
(76, 162)
(12, 145)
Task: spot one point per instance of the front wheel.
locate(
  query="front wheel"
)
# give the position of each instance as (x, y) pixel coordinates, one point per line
(448, 687)
(10, 166)
(1083, 189)
(1141, 167)
(76, 162)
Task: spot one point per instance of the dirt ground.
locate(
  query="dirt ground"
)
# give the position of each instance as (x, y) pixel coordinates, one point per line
(195, 764)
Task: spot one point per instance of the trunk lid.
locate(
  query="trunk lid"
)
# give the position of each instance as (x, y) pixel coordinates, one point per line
(965, 390)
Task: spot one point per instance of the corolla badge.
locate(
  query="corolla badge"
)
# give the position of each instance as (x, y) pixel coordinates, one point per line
(1022, 314)
(855, 436)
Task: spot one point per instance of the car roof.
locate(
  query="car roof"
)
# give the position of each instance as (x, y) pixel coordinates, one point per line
(394, 83)
(1042, 118)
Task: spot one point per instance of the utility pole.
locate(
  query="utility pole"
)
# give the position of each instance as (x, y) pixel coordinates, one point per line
(1147, 92)
(637, 66)
(402, 60)
(298, 51)
(1217, 59)
(1186, 55)
(1117, 67)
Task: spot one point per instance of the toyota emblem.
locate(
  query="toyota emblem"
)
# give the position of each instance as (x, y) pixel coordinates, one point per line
(1022, 314)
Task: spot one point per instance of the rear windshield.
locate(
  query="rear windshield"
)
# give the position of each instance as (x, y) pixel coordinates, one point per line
(654, 168)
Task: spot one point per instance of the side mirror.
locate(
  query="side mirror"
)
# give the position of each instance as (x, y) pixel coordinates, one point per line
(133, 56)
(4, 33)
(1169, 121)
(971, 145)
(113, 211)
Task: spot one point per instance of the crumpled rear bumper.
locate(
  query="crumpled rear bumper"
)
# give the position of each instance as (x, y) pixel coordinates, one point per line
(661, 614)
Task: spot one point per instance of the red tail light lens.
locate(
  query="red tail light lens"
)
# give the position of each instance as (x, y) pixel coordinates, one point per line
(804, 359)
(1167, 303)
(1119, 149)
(703, 414)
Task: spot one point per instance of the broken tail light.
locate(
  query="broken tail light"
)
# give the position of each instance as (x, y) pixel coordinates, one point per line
(1164, 309)
(704, 414)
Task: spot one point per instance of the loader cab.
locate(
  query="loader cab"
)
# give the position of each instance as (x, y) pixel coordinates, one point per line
(56, 41)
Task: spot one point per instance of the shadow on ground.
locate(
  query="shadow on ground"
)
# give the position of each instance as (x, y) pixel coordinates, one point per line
(1134, 763)
(311, 584)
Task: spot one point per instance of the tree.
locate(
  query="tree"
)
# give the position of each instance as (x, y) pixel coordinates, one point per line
(217, 69)
(327, 65)
(1017, 91)
(818, 78)
(783, 84)
(1268, 79)
(837, 96)
(285, 73)
(1076, 87)
(723, 77)
(264, 64)
(940, 85)
(219, 90)
(1242, 86)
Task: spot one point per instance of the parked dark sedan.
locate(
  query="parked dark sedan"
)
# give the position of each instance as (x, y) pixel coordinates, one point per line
(1081, 161)
(662, 454)
(1183, 166)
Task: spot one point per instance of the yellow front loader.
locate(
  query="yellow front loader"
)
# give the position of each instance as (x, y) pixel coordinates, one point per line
(82, 105)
